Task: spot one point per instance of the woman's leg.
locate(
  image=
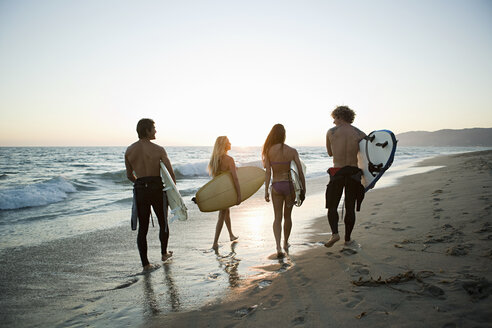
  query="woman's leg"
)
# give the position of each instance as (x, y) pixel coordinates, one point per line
(218, 227)
(227, 220)
(288, 206)
(278, 203)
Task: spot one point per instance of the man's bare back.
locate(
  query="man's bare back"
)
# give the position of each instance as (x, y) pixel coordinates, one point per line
(342, 142)
(142, 159)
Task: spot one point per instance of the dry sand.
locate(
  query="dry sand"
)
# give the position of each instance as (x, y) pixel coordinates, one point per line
(422, 258)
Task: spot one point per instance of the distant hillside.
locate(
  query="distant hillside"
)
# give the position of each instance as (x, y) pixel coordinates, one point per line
(454, 138)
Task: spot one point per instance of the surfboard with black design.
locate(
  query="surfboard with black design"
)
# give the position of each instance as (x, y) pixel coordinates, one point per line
(376, 154)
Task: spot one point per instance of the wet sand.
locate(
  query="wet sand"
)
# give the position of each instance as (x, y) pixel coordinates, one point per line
(95, 279)
(422, 258)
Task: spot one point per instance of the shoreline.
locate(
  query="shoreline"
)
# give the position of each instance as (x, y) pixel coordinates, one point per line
(429, 237)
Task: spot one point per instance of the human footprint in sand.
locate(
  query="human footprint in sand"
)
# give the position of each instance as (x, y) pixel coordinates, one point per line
(276, 156)
(221, 162)
(342, 143)
(142, 161)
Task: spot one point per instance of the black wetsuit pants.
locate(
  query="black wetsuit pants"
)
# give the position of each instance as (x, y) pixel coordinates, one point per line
(347, 178)
(149, 192)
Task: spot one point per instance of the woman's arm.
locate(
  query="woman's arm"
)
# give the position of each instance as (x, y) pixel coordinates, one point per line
(268, 176)
(231, 166)
(301, 172)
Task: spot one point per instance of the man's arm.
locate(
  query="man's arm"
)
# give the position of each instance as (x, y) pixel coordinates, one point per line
(328, 143)
(361, 134)
(167, 163)
(129, 169)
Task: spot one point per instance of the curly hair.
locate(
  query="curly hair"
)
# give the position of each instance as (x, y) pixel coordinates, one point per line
(343, 113)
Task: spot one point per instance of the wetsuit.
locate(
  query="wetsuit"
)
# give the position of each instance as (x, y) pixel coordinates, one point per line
(347, 178)
(149, 192)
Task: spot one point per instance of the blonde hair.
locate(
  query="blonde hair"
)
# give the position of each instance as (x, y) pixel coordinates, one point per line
(219, 150)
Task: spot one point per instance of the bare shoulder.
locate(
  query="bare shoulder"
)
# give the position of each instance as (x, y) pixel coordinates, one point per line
(159, 149)
(332, 130)
(292, 150)
(130, 148)
(227, 162)
(227, 159)
(359, 132)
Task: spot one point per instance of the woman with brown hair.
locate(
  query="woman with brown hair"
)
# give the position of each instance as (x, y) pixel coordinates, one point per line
(276, 156)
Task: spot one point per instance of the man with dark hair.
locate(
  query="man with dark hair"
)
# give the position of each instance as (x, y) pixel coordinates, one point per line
(342, 143)
(142, 161)
(143, 126)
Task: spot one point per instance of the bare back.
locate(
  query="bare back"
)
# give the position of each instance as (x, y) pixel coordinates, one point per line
(279, 158)
(142, 159)
(342, 142)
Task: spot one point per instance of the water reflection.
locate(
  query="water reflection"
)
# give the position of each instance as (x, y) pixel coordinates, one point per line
(172, 290)
(151, 305)
(229, 263)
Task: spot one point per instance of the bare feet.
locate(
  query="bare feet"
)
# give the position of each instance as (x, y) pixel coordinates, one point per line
(280, 254)
(215, 247)
(233, 238)
(150, 267)
(334, 238)
(286, 246)
(350, 243)
(166, 256)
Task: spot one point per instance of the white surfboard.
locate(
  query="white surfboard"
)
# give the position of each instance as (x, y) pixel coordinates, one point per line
(220, 193)
(174, 199)
(296, 180)
(376, 153)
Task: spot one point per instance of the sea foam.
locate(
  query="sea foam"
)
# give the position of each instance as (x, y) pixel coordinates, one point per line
(37, 194)
(190, 170)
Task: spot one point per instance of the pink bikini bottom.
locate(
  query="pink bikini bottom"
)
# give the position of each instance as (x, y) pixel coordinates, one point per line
(282, 187)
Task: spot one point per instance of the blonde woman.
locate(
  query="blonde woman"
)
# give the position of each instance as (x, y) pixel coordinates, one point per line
(276, 157)
(221, 162)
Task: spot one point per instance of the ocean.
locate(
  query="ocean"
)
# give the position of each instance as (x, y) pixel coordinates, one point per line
(69, 258)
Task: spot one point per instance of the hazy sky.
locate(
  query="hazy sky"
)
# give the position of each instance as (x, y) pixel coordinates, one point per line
(84, 72)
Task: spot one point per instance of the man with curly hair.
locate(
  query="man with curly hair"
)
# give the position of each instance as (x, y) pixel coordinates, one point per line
(342, 143)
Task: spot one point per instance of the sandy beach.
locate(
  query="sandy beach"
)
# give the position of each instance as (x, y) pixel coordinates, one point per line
(422, 258)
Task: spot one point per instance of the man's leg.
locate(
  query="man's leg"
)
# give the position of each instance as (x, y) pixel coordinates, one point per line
(143, 228)
(350, 199)
(333, 194)
(159, 203)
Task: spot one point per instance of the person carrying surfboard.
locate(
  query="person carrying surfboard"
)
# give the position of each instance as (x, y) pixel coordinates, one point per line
(142, 161)
(277, 156)
(221, 162)
(342, 143)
